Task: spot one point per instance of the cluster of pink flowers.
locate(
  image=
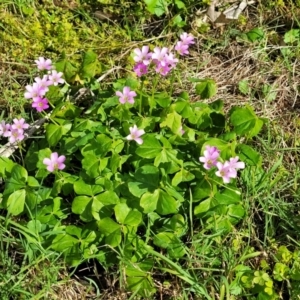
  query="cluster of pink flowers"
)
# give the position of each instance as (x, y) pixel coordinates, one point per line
(14, 132)
(182, 46)
(40, 87)
(226, 170)
(162, 58)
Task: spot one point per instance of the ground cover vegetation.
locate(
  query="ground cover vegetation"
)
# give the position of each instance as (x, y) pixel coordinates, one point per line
(157, 153)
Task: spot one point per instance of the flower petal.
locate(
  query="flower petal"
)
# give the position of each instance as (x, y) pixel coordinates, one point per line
(46, 161)
(139, 141)
(61, 159)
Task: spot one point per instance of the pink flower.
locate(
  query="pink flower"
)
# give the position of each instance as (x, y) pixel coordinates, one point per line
(43, 82)
(225, 171)
(143, 55)
(55, 162)
(211, 154)
(40, 104)
(16, 135)
(126, 96)
(235, 164)
(43, 64)
(181, 48)
(163, 70)
(171, 60)
(140, 69)
(135, 134)
(181, 131)
(187, 38)
(159, 55)
(55, 77)
(34, 91)
(4, 129)
(19, 125)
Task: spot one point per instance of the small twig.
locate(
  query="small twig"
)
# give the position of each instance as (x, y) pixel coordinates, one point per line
(107, 73)
(9, 148)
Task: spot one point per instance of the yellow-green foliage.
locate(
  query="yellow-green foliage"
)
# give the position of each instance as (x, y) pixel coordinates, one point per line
(52, 31)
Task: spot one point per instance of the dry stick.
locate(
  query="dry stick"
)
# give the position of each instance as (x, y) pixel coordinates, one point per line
(107, 73)
(9, 148)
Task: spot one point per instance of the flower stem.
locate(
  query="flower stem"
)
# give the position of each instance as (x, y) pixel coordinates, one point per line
(141, 97)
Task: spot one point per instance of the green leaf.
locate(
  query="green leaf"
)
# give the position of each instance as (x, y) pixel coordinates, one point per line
(6, 165)
(163, 99)
(17, 179)
(86, 124)
(90, 164)
(203, 207)
(182, 176)
(53, 134)
(80, 203)
(31, 157)
(292, 36)
(74, 230)
(142, 285)
(248, 155)
(27, 10)
(81, 188)
(244, 87)
(218, 122)
(167, 156)
(104, 144)
(32, 182)
(66, 110)
(68, 69)
(206, 89)
(236, 213)
(217, 105)
(173, 121)
(121, 211)
(157, 7)
(146, 179)
(170, 241)
(63, 242)
(16, 201)
(295, 271)
(134, 218)
(166, 204)
(150, 147)
(111, 230)
(107, 198)
(164, 239)
(149, 201)
(179, 4)
(203, 190)
(284, 254)
(54, 95)
(178, 225)
(280, 271)
(245, 121)
(256, 34)
(90, 65)
(228, 196)
(32, 199)
(183, 108)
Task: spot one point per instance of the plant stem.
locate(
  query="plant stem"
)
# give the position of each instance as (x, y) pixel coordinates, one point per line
(141, 97)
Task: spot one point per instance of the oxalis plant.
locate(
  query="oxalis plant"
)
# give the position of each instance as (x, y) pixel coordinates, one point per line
(126, 174)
